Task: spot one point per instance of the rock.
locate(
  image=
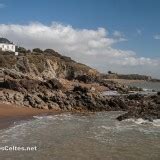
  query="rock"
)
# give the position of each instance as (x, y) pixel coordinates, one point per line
(135, 96)
(122, 117)
(12, 84)
(53, 84)
(35, 101)
(93, 89)
(147, 108)
(69, 107)
(113, 104)
(85, 78)
(54, 106)
(80, 89)
(43, 107)
(122, 104)
(27, 104)
(12, 73)
(19, 97)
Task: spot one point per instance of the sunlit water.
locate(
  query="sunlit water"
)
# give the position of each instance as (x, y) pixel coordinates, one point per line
(83, 137)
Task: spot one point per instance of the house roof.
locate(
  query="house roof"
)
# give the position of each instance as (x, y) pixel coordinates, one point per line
(4, 40)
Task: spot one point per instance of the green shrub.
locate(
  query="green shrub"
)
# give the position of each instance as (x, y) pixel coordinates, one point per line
(37, 50)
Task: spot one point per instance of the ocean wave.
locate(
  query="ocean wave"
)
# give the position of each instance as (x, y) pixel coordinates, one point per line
(156, 122)
(54, 117)
(141, 121)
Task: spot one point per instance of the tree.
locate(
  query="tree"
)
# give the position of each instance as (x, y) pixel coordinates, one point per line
(109, 72)
(37, 50)
(21, 50)
(52, 52)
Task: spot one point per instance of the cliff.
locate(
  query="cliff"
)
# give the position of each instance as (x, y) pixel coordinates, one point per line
(43, 66)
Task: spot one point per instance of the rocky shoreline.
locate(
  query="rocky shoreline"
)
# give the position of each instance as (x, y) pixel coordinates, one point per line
(79, 90)
(53, 95)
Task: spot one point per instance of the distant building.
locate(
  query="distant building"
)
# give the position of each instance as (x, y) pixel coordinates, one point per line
(6, 45)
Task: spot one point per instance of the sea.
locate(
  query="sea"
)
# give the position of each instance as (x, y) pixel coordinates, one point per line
(146, 85)
(97, 136)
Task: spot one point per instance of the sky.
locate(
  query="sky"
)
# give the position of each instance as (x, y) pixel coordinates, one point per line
(118, 35)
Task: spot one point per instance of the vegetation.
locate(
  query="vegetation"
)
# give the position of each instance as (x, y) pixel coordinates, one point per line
(21, 50)
(37, 50)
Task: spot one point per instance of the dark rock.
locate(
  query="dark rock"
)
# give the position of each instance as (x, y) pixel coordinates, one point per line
(53, 84)
(12, 84)
(147, 108)
(80, 89)
(135, 96)
(85, 78)
(122, 117)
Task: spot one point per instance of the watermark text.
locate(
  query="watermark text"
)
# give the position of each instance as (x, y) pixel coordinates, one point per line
(18, 148)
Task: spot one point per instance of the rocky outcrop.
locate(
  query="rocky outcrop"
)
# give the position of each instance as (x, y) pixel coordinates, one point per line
(146, 107)
(51, 81)
(52, 95)
(43, 66)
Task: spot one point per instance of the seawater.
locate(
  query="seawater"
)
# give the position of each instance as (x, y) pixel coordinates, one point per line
(146, 85)
(96, 136)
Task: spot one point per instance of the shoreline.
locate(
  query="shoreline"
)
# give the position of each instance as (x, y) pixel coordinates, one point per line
(126, 81)
(9, 114)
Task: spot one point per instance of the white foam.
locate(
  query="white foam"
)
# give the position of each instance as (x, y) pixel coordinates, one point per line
(54, 117)
(38, 117)
(129, 120)
(141, 121)
(105, 127)
(146, 89)
(156, 122)
(137, 121)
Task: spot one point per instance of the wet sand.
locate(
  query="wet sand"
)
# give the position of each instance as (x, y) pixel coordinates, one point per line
(10, 114)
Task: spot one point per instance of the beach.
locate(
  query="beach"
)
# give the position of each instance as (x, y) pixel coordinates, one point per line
(9, 114)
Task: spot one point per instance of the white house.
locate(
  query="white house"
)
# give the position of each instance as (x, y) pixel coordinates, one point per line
(6, 45)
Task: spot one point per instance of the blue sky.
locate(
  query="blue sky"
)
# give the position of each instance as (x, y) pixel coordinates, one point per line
(138, 21)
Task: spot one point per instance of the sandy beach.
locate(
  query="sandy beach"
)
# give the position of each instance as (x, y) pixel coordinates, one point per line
(10, 114)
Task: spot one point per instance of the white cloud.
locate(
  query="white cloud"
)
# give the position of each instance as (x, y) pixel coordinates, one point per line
(157, 37)
(119, 35)
(139, 32)
(2, 5)
(93, 47)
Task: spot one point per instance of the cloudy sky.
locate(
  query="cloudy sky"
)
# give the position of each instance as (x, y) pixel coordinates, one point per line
(118, 35)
